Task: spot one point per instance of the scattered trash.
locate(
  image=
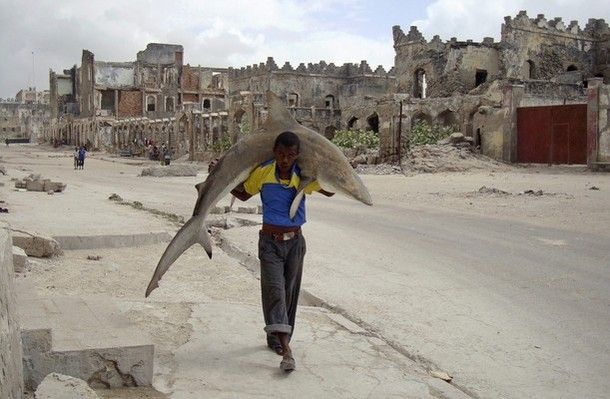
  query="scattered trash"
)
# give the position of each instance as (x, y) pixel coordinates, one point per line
(537, 347)
(115, 197)
(3, 210)
(593, 188)
(94, 257)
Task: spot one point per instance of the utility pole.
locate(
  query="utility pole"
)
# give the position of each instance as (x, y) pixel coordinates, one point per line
(33, 73)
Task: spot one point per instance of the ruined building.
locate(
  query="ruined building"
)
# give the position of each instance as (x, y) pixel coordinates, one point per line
(114, 104)
(25, 116)
(505, 95)
(322, 96)
(538, 95)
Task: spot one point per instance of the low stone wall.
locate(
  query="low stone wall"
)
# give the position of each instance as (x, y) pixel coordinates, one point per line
(11, 369)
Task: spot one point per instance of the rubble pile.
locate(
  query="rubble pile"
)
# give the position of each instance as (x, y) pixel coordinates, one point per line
(379, 169)
(36, 183)
(170, 170)
(453, 154)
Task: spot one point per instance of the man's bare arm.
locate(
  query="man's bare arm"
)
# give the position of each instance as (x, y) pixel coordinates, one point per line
(240, 193)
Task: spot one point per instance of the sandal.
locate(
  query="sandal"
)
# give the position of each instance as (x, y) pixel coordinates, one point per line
(288, 364)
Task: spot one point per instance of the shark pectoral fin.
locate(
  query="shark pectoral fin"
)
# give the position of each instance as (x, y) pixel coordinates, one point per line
(294, 207)
(188, 235)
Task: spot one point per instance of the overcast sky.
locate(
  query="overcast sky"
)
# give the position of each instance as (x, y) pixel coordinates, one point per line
(238, 33)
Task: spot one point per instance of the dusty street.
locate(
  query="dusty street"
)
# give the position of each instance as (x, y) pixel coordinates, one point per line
(507, 291)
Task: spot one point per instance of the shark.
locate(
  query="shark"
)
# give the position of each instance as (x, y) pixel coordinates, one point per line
(319, 159)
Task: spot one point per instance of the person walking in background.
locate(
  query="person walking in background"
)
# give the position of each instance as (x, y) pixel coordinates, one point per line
(82, 153)
(76, 162)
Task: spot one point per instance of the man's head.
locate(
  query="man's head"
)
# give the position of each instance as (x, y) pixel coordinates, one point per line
(286, 150)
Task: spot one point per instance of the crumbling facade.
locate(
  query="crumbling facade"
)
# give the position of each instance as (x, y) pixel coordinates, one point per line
(478, 88)
(26, 116)
(322, 96)
(150, 98)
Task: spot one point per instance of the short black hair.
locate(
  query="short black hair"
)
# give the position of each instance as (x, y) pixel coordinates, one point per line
(287, 139)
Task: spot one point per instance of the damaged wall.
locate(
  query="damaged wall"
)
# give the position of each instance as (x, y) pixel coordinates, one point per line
(11, 368)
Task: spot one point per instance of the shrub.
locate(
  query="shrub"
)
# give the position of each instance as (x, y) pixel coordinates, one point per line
(222, 145)
(424, 133)
(356, 138)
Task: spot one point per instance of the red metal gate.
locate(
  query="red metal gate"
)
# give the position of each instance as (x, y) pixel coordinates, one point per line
(553, 134)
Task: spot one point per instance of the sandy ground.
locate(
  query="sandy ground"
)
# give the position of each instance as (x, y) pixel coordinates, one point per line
(568, 204)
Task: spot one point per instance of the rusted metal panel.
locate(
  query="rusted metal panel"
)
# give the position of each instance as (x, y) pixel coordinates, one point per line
(553, 134)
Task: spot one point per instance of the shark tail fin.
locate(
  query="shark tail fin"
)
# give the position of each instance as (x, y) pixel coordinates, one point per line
(191, 233)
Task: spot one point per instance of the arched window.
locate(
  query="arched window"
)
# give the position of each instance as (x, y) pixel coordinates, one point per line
(169, 104)
(419, 84)
(420, 118)
(206, 103)
(571, 68)
(448, 118)
(293, 100)
(529, 70)
(151, 103)
(329, 101)
(373, 122)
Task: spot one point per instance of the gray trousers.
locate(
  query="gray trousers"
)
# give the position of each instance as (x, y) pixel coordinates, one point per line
(281, 270)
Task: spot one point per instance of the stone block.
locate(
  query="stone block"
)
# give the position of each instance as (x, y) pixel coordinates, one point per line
(34, 185)
(59, 386)
(54, 186)
(247, 209)
(37, 245)
(20, 259)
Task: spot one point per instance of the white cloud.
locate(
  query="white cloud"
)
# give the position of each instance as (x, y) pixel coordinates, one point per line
(238, 32)
(472, 19)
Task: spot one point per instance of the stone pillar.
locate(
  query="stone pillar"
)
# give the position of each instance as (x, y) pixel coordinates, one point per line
(511, 98)
(593, 88)
(116, 103)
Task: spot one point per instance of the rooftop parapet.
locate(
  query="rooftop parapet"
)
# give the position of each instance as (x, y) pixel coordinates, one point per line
(320, 68)
(593, 30)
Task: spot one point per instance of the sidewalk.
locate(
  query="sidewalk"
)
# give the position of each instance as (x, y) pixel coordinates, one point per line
(205, 319)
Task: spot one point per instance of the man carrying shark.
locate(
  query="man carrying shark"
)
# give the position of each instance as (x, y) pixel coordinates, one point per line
(281, 245)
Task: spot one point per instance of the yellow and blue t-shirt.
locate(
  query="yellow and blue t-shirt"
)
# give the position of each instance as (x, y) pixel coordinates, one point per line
(277, 194)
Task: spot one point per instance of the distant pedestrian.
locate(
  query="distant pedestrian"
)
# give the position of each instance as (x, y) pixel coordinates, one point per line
(76, 162)
(82, 153)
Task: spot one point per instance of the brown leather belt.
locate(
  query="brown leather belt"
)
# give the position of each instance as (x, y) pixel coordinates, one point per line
(279, 233)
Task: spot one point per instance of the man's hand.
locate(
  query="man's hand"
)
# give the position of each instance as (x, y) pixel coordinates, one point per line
(240, 193)
(326, 193)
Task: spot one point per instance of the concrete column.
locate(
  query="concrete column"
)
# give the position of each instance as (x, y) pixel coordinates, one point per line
(593, 119)
(512, 95)
(116, 103)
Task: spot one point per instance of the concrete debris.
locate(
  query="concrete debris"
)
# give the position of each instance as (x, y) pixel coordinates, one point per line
(380, 169)
(35, 183)
(247, 209)
(441, 374)
(593, 188)
(59, 386)
(20, 259)
(220, 210)
(115, 197)
(171, 170)
(3, 170)
(537, 193)
(94, 257)
(36, 245)
(492, 190)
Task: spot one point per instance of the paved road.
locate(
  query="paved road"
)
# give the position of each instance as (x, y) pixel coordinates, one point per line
(510, 310)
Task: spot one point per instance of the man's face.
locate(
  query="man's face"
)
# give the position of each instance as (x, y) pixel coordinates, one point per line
(285, 157)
